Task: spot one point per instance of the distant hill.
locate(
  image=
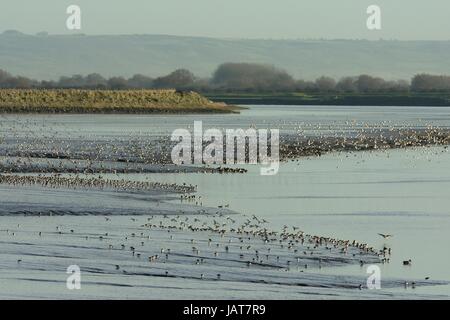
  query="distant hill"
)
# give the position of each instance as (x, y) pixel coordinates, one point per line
(44, 56)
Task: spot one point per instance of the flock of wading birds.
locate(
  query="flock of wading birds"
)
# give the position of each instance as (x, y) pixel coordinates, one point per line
(292, 239)
(248, 242)
(251, 239)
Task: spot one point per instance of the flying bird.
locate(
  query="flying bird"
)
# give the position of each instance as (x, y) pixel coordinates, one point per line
(385, 236)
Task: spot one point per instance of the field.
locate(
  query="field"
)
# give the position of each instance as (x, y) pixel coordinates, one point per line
(107, 101)
(338, 99)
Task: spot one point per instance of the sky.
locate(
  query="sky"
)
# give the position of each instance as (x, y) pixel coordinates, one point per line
(264, 19)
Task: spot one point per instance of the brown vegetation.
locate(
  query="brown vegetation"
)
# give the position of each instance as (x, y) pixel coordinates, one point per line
(107, 101)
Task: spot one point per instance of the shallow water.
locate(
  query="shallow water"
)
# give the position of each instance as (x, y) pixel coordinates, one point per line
(311, 119)
(345, 195)
(44, 257)
(404, 193)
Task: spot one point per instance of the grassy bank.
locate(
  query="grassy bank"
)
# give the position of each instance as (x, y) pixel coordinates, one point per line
(338, 99)
(107, 101)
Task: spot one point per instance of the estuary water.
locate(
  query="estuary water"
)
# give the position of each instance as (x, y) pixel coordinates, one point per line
(355, 195)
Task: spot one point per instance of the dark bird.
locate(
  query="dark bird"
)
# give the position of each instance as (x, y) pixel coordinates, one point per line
(385, 236)
(407, 262)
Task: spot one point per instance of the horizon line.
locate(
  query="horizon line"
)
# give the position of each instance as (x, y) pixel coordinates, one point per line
(81, 34)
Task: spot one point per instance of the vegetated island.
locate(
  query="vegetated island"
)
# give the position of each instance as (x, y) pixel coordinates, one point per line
(108, 101)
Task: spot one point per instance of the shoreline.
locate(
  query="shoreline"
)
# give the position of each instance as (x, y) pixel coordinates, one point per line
(334, 99)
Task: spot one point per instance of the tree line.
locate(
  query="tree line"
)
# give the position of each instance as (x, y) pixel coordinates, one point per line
(237, 77)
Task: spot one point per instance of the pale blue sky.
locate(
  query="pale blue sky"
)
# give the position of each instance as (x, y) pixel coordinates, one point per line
(401, 19)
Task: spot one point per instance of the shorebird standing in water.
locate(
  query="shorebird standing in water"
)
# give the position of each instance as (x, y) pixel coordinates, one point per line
(407, 262)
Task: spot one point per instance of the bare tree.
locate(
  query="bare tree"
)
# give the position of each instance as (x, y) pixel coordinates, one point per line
(325, 84)
(428, 82)
(178, 79)
(243, 76)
